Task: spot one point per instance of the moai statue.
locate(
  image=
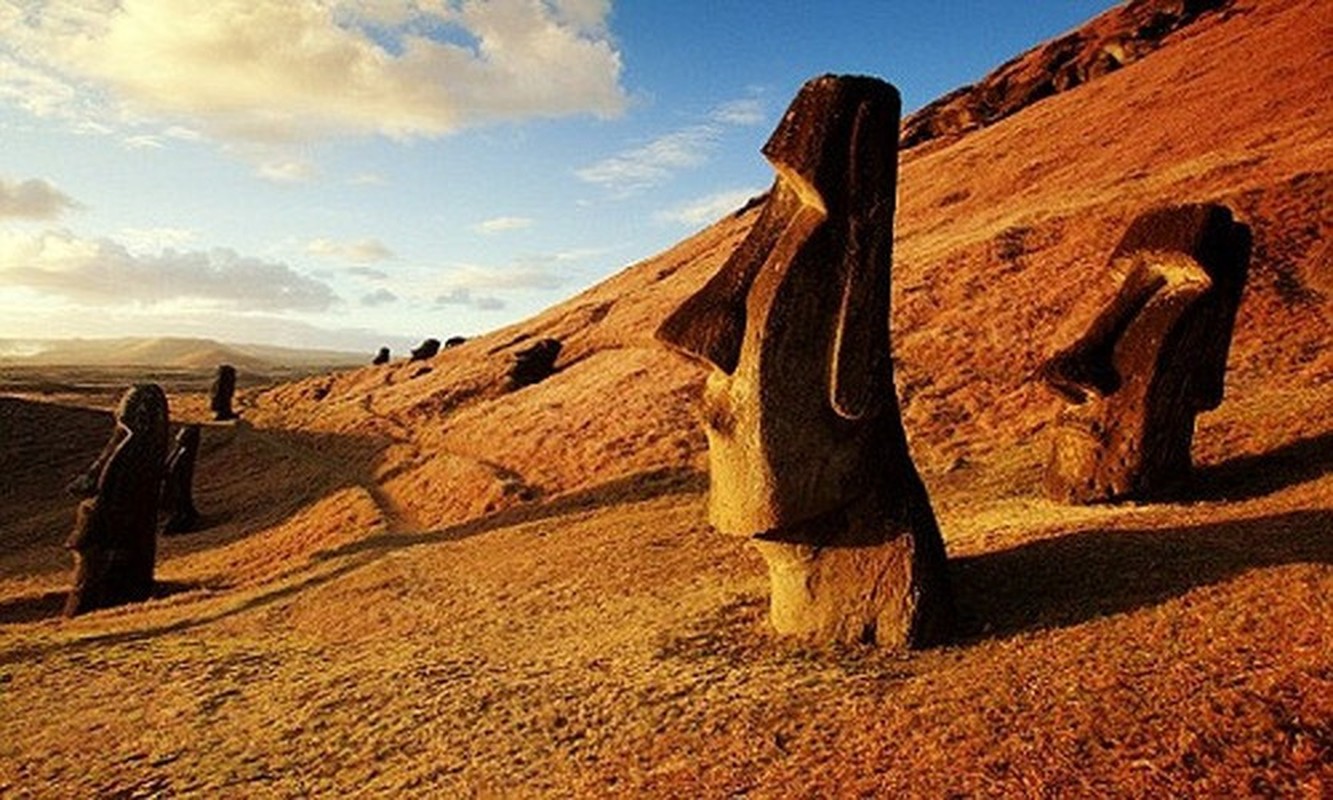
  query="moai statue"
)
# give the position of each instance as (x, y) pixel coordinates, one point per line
(224, 386)
(115, 531)
(534, 364)
(178, 484)
(382, 357)
(1153, 358)
(454, 341)
(427, 349)
(806, 447)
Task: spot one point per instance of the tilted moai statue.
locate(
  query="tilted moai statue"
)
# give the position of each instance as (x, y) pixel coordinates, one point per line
(178, 484)
(115, 531)
(807, 452)
(382, 357)
(427, 349)
(1153, 358)
(224, 386)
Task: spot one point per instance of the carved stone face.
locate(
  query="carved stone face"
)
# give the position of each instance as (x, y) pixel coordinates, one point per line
(799, 407)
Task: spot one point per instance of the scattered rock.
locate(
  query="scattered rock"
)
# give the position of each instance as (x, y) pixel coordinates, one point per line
(382, 357)
(427, 349)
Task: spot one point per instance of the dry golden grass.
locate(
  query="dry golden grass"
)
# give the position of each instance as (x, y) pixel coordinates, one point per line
(422, 582)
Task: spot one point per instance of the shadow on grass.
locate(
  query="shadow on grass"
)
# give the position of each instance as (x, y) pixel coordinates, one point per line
(1081, 576)
(1248, 477)
(48, 605)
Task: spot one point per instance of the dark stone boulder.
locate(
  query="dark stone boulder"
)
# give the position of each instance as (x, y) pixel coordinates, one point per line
(427, 349)
(534, 364)
(382, 357)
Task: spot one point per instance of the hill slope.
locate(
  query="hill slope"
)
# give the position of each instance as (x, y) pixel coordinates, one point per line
(418, 580)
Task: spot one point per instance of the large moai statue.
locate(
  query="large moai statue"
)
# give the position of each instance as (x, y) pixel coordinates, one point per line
(1153, 358)
(220, 394)
(178, 484)
(807, 452)
(115, 531)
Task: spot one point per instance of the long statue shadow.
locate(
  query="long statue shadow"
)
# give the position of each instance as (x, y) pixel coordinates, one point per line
(1060, 582)
(1248, 477)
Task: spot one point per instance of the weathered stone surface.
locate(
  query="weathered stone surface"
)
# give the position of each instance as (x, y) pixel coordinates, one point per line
(534, 364)
(224, 386)
(427, 349)
(382, 357)
(115, 532)
(806, 445)
(178, 485)
(1153, 358)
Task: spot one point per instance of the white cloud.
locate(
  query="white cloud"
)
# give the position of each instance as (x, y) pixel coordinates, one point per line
(292, 171)
(709, 209)
(286, 70)
(32, 199)
(362, 251)
(98, 272)
(367, 179)
(465, 297)
(502, 224)
(656, 162)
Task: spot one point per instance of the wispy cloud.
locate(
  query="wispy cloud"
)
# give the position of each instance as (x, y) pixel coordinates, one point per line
(154, 239)
(369, 273)
(379, 297)
(97, 272)
(465, 297)
(363, 251)
(367, 179)
(502, 224)
(654, 163)
(708, 209)
(287, 171)
(286, 70)
(32, 199)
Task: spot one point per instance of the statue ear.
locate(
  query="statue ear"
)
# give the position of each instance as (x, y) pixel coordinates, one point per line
(861, 372)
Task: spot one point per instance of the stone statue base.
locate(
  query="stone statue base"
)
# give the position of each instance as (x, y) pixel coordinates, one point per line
(855, 577)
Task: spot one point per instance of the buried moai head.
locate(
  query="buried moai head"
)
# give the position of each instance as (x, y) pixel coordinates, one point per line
(114, 537)
(795, 324)
(427, 349)
(1152, 359)
(382, 357)
(805, 441)
(178, 484)
(535, 363)
(224, 386)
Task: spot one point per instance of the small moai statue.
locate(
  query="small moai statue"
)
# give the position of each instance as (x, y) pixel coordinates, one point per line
(427, 349)
(534, 364)
(178, 483)
(807, 452)
(220, 394)
(114, 540)
(1153, 359)
(382, 357)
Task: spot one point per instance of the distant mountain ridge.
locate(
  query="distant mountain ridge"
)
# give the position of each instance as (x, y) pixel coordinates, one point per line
(167, 351)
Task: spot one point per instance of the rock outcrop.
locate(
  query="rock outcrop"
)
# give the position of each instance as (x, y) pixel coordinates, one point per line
(1119, 37)
(1153, 359)
(806, 447)
(114, 540)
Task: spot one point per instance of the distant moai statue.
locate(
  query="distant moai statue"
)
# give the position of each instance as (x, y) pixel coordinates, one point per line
(534, 364)
(220, 394)
(382, 357)
(1153, 359)
(807, 452)
(178, 483)
(454, 341)
(115, 531)
(428, 349)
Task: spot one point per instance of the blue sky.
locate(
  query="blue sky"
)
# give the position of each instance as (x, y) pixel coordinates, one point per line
(351, 173)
